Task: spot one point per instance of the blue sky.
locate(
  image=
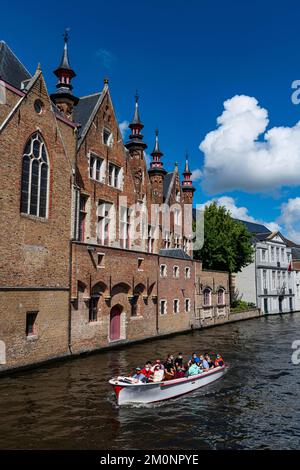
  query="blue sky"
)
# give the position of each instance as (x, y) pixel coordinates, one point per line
(186, 59)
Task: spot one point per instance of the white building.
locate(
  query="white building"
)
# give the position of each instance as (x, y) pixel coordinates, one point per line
(268, 282)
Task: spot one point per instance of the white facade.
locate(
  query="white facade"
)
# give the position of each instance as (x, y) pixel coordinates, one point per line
(268, 282)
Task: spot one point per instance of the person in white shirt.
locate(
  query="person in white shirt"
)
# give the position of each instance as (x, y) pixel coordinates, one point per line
(158, 374)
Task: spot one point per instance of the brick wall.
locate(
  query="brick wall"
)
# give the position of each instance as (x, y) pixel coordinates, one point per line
(51, 338)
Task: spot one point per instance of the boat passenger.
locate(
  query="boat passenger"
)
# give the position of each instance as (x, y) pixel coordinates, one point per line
(209, 360)
(138, 376)
(169, 367)
(158, 374)
(180, 373)
(157, 363)
(147, 370)
(219, 361)
(204, 363)
(194, 369)
(179, 360)
(193, 358)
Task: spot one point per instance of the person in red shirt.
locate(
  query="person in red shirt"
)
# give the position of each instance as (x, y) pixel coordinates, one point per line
(147, 370)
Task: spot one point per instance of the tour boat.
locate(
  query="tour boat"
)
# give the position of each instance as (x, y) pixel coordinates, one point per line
(151, 392)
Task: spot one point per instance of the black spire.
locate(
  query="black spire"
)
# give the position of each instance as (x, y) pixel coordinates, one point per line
(136, 138)
(156, 150)
(157, 165)
(187, 183)
(64, 73)
(136, 116)
(64, 63)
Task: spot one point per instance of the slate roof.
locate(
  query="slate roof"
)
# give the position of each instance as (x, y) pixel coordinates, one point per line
(83, 111)
(174, 253)
(255, 228)
(167, 181)
(295, 253)
(12, 70)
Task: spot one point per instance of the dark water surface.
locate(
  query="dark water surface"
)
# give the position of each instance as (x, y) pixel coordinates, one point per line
(257, 405)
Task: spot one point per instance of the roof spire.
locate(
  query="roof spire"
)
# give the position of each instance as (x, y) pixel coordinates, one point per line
(136, 117)
(136, 138)
(156, 150)
(64, 63)
(156, 164)
(186, 169)
(187, 183)
(64, 73)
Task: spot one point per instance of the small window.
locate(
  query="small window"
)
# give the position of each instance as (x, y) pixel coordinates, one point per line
(221, 297)
(107, 137)
(187, 305)
(38, 106)
(163, 270)
(31, 329)
(163, 307)
(207, 297)
(82, 217)
(114, 175)
(100, 260)
(187, 272)
(96, 168)
(176, 306)
(176, 271)
(140, 264)
(93, 310)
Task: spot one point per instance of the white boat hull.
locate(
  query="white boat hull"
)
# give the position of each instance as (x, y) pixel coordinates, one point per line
(153, 392)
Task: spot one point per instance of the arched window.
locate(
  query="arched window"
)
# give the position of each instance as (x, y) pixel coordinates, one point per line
(207, 297)
(221, 296)
(35, 175)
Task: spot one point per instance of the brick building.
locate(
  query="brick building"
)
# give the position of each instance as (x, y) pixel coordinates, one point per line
(86, 258)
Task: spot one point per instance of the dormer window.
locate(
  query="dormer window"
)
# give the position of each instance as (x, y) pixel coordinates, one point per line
(177, 196)
(107, 137)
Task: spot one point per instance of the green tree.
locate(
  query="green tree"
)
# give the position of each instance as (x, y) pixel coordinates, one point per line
(227, 242)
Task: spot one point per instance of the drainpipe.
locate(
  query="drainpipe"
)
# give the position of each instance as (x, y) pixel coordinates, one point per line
(70, 295)
(157, 292)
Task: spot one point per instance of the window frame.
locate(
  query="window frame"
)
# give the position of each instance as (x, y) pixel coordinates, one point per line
(189, 305)
(34, 325)
(113, 177)
(163, 301)
(176, 272)
(26, 192)
(93, 168)
(207, 289)
(177, 303)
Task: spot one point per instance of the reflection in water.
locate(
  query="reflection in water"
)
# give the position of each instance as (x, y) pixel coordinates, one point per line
(256, 405)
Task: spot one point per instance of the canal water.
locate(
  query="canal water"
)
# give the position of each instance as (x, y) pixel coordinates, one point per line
(69, 405)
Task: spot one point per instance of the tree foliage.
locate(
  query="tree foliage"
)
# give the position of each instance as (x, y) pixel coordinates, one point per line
(227, 242)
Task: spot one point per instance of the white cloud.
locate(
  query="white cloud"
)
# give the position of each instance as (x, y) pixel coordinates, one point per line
(196, 174)
(290, 218)
(124, 128)
(241, 212)
(241, 154)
